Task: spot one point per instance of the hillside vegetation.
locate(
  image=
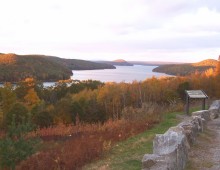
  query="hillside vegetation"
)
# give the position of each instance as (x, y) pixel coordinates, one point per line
(14, 68)
(186, 69)
(91, 115)
(76, 64)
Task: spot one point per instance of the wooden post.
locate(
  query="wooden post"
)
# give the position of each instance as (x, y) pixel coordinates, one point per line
(187, 104)
(203, 104)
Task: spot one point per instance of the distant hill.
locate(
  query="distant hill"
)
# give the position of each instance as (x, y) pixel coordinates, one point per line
(187, 68)
(208, 62)
(118, 62)
(14, 68)
(76, 64)
(152, 63)
(121, 62)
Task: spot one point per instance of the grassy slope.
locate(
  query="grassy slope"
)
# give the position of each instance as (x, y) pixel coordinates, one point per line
(128, 154)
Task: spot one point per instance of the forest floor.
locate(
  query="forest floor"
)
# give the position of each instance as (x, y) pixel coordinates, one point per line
(205, 154)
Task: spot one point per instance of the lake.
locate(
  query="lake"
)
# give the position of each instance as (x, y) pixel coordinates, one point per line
(121, 73)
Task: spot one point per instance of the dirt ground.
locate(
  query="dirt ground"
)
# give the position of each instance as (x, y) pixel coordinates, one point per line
(205, 153)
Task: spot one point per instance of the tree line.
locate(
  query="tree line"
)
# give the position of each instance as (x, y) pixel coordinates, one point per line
(118, 108)
(93, 101)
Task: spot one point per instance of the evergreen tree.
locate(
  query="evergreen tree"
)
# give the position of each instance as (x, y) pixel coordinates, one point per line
(7, 100)
(19, 112)
(16, 146)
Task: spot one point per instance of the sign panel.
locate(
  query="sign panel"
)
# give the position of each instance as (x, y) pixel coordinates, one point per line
(196, 94)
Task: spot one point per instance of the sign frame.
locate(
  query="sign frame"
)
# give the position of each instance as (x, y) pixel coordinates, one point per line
(195, 94)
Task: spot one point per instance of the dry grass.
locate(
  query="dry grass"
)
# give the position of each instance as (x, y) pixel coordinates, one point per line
(71, 147)
(80, 144)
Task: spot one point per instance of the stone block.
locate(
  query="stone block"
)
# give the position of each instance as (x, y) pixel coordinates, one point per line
(170, 150)
(214, 113)
(215, 105)
(203, 114)
(190, 131)
(174, 146)
(153, 162)
(199, 123)
(214, 109)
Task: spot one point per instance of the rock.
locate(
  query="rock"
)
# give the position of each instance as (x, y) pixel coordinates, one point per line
(215, 105)
(199, 123)
(214, 113)
(190, 130)
(153, 162)
(170, 150)
(203, 114)
(214, 109)
(174, 146)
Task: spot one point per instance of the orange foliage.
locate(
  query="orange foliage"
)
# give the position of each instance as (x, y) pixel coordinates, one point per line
(71, 147)
(8, 58)
(31, 97)
(218, 69)
(80, 144)
(30, 82)
(210, 72)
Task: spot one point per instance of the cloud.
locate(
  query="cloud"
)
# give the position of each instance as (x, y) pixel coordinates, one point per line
(110, 27)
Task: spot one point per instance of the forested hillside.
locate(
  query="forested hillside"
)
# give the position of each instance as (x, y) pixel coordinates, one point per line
(76, 64)
(186, 69)
(14, 68)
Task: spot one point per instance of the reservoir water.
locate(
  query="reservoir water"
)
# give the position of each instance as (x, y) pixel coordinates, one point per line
(120, 74)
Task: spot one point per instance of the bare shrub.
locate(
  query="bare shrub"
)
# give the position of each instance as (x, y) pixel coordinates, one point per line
(148, 112)
(80, 144)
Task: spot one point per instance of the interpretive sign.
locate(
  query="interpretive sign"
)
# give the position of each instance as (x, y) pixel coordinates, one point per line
(195, 94)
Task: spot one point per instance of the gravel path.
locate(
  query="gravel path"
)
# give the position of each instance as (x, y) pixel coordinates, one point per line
(205, 154)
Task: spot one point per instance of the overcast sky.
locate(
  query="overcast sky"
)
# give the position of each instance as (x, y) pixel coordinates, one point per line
(147, 30)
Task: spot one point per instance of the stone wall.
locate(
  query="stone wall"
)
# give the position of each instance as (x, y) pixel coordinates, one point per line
(170, 150)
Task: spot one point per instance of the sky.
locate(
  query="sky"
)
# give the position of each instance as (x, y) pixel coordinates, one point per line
(134, 30)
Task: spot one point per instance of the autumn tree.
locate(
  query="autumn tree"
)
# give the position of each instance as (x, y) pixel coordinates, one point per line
(110, 98)
(63, 111)
(31, 98)
(8, 97)
(217, 79)
(24, 86)
(181, 89)
(218, 69)
(18, 112)
(42, 115)
(85, 105)
(7, 100)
